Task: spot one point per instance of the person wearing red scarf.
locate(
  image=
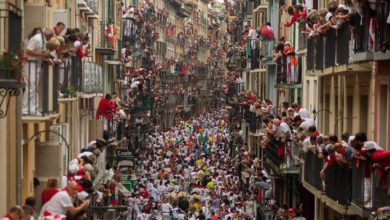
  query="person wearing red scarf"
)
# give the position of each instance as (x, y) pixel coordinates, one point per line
(300, 12)
(15, 213)
(105, 108)
(59, 28)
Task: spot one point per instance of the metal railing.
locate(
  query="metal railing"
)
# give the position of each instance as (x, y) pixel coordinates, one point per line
(287, 72)
(41, 94)
(312, 168)
(129, 29)
(360, 184)
(338, 184)
(368, 189)
(382, 29)
(329, 49)
(80, 76)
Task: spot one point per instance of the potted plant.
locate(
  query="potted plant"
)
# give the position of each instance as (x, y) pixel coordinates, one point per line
(70, 92)
(11, 67)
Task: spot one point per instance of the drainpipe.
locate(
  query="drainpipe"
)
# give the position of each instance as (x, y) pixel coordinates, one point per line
(19, 150)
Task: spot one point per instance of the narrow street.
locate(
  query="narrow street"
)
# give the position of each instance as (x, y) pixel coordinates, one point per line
(194, 110)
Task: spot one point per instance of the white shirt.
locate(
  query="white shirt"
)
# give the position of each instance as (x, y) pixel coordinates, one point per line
(166, 208)
(306, 123)
(38, 44)
(58, 204)
(282, 129)
(304, 113)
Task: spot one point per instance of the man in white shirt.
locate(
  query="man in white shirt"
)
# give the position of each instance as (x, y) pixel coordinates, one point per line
(36, 52)
(61, 202)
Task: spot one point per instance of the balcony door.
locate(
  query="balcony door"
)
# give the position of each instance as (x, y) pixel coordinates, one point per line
(14, 33)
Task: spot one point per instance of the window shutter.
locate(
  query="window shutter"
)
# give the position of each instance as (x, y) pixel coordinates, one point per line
(31, 20)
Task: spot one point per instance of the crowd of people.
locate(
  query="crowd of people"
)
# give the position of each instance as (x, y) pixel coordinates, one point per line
(194, 171)
(51, 45)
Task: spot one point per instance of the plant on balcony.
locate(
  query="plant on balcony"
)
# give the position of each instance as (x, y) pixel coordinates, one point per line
(70, 91)
(11, 67)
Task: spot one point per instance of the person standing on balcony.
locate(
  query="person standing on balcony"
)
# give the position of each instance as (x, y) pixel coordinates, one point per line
(36, 52)
(58, 29)
(105, 110)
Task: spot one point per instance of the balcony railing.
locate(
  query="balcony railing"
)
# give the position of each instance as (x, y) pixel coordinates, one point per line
(252, 53)
(312, 168)
(368, 191)
(81, 76)
(302, 43)
(129, 28)
(336, 176)
(282, 157)
(329, 49)
(360, 184)
(382, 30)
(287, 73)
(41, 88)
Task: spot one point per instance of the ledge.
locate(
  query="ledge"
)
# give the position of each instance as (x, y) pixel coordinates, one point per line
(105, 50)
(11, 84)
(288, 86)
(342, 69)
(371, 56)
(67, 99)
(37, 118)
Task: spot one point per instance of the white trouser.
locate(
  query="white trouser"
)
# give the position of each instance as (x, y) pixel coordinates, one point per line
(31, 72)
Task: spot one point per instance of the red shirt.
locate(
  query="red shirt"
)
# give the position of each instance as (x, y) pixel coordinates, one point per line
(47, 194)
(105, 109)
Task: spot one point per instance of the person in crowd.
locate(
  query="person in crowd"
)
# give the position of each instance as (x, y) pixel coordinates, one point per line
(50, 190)
(15, 213)
(297, 12)
(62, 202)
(28, 212)
(58, 29)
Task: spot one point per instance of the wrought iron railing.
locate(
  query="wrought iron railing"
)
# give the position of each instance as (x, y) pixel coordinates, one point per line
(329, 49)
(368, 189)
(287, 70)
(382, 29)
(41, 94)
(312, 168)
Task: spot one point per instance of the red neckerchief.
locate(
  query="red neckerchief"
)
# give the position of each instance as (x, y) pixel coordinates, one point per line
(8, 216)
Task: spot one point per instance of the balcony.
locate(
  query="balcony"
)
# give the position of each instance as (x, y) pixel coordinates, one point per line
(329, 49)
(345, 189)
(288, 74)
(128, 29)
(280, 158)
(252, 54)
(106, 46)
(41, 95)
(89, 8)
(379, 49)
(302, 43)
(80, 76)
(368, 193)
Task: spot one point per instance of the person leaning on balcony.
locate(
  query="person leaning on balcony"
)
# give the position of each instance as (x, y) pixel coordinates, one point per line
(36, 52)
(58, 29)
(330, 17)
(298, 12)
(62, 202)
(105, 110)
